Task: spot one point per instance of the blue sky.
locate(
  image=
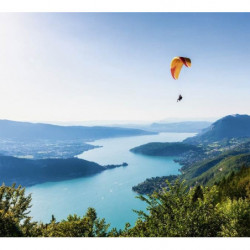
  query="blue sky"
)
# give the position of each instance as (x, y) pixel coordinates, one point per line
(115, 66)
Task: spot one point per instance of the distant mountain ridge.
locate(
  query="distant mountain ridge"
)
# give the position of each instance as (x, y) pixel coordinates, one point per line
(180, 127)
(31, 131)
(231, 126)
(171, 127)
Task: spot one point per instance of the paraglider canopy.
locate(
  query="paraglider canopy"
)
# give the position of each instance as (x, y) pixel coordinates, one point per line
(176, 65)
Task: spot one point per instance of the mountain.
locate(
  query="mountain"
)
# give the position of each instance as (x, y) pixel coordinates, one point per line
(180, 127)
(27, 172)
(231, 126)
(176, 127)
(208, 175)
(207, 172)
(221, 149)
(26, 131)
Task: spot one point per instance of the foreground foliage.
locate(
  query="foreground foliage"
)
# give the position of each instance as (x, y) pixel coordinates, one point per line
(199, 212)
(14, 205)
(222, 210)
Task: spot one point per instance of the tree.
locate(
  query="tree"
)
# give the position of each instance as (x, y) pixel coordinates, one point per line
(237, 214)
(177, 212)
(14, 210)
(75, 226)
(198, 193)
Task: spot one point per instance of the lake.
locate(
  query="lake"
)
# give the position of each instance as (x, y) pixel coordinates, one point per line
(109, 192)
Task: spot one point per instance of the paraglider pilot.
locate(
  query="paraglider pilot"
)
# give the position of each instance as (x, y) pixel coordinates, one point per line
(179, 98)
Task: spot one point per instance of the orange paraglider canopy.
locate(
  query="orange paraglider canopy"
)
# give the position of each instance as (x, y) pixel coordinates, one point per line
(176, 65)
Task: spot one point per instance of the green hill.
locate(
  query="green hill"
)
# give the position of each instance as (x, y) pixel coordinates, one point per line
(27, 172)
(236, 185)
(164, 148)
(220, 168)
(205, 172)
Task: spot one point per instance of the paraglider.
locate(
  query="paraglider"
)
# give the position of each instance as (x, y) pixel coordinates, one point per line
(176, 66)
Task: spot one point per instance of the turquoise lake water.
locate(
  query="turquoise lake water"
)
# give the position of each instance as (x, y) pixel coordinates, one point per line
(109, 192)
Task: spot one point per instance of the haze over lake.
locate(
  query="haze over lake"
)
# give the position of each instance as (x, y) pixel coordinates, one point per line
(109, 192)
